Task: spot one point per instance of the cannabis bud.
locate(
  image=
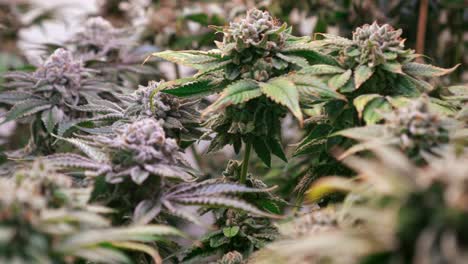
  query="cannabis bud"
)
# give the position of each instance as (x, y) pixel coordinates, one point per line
(140, 149)
(232, 257)
(417, 128)
(178, 115)
(374, 41)
(258, 30)
(63, 72)
(98, 37)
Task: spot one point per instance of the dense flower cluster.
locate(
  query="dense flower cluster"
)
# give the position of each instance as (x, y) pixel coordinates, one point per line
(62, 72)
(418, 128)
(374, 41)
(254, 30)
(139, 149)
(177, 115)
(98, 37)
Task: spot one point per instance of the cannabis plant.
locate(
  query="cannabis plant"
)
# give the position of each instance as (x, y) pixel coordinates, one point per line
(46, 219)
(140, 171)
(50, 97)
(415, 128)
(367, 75)
(250, 68)
(420, 212)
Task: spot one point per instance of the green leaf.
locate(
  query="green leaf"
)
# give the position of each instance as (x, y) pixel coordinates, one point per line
(275, 147)
(362, 74)
(312, 56)
(421, 85)
(394, 67)
(299, 61)
(360, 102)
(90, 151)
(426, 70)
(262, 150)
(283, 91)
(316, 138)
(237, 93)
(190, 58)
(374, 110)
(26, 108)
(321, 69)
(310, 85)
(218, 241)
(195, 87)
(337, 81)
(270, 206)
(231, 231)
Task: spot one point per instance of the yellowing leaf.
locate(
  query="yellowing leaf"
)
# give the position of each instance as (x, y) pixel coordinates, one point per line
(328, 185)
(362, 74)
(360, 102)
(283, 91)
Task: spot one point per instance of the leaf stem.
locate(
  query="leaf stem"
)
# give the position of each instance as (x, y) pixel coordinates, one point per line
(245, 162)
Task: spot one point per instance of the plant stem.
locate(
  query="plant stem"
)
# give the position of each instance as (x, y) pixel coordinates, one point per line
(245, 163)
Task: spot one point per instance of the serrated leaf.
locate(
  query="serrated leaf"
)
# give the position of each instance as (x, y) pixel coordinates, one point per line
(312, 56)
(337, 81)
(315, 137)
(90, 151)
(275, 147)
(13, 97)
(394, 67)
(26, 108)
(189, 58)
(426, 70)
(362, 74)
(220, 201)
(423, 86)
(321, 69)
(283, 91)
(360, 102)
(237, 93)
(262, 150)
(195, 87)
(299, 61)
(210, 187)
(70, 160)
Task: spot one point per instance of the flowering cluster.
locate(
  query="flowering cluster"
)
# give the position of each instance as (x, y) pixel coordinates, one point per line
(255, 30)
(98, 37)
(139, 149)
(417, 128)
(374, 41)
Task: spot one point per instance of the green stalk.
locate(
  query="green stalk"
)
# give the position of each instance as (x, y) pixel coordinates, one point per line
(245, 163)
